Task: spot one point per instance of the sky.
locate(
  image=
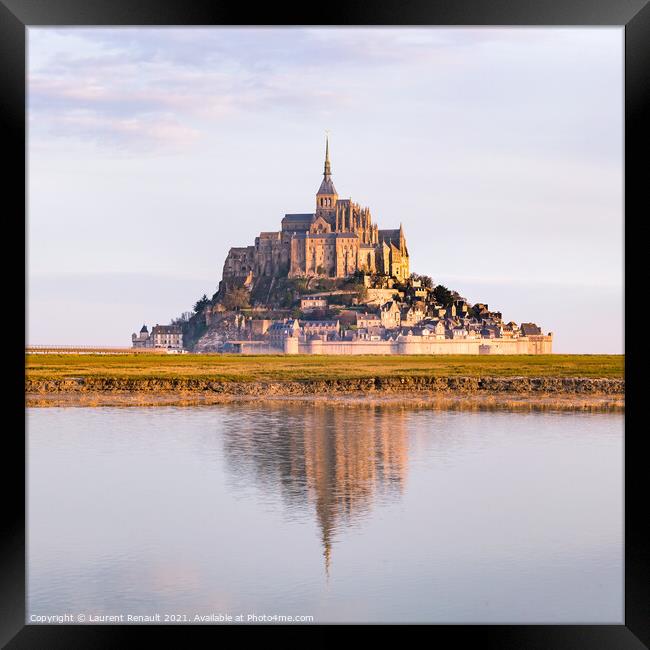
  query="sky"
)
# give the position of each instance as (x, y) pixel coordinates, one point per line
(152, 151)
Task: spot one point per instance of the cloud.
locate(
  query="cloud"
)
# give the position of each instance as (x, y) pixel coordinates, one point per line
(140, 132)
(195, 77)
(141, 87)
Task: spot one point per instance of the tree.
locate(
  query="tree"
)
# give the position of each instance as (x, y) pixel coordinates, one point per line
(362, 291)
(287, 299)
(201, 304)
(236, 298)
(183, 318)
(425, 280)
(443, 296)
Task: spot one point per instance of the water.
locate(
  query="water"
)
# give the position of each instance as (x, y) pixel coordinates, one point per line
(343, 513)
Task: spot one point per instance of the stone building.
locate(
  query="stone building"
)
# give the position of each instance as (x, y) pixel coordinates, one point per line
(162, 336)
(280, 330)
(313, 303)
(167, 336)
(414, 314)
(390, 315)
(143, 339)
(336, 240)
(321, 328)
(366, 320)
(528, 329)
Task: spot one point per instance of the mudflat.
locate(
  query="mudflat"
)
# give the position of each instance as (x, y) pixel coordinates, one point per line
(551, 381)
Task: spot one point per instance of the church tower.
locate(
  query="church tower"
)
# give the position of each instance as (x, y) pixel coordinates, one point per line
(326, 197)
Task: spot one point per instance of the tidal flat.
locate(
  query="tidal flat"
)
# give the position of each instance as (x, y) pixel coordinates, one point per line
(564, 382)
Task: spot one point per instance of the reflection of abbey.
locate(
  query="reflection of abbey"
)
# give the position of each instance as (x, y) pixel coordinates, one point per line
(339, 461)
(335, 241)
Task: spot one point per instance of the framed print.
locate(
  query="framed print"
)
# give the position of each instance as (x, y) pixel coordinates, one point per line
(325, 320)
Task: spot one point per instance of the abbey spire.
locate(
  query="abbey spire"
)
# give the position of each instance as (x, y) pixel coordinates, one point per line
(327, 195)
(328, 170)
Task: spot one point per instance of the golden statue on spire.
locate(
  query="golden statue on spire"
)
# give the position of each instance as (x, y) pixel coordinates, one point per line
(328, 170)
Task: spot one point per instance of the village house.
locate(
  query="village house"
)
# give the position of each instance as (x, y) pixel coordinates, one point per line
(462, 308)
(347, 318)
(437, 329)
(167, 336)
(368, 320)
(490, 332)
(414, 314)
(530, 329)
(390, 315)
(283, 329)
(328, 329)
(313, 303)
(510, 330)
(437, 311)
(458, 332)
(418, 290)
(493, 317)
(481, 308)
(371, 334)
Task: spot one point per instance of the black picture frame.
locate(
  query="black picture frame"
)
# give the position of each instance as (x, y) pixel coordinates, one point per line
(18, 15)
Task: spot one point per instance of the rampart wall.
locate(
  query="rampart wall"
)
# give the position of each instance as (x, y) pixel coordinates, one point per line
(414, 345)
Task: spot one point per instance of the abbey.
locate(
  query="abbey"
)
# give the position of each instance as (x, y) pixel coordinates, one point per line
(335, 241)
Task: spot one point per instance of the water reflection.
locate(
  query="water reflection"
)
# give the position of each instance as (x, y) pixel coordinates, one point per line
(417, 515)
(335, 460)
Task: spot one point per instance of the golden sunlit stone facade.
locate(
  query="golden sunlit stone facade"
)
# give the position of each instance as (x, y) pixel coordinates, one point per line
(336, 240)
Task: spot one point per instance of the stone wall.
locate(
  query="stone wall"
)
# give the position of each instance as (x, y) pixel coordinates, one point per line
(381, 296)
(406, 345)
(413, 345)
(254, 347)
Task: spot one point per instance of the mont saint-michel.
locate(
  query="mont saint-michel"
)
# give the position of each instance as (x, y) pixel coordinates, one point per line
(337, 240)
(332, 281)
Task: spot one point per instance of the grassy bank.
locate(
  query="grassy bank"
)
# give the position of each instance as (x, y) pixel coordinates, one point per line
(237, 368)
